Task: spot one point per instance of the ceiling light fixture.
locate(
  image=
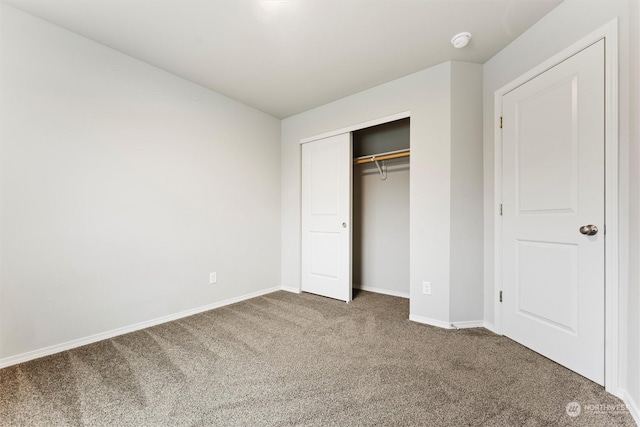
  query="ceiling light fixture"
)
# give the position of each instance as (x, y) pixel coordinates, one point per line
(460, 40)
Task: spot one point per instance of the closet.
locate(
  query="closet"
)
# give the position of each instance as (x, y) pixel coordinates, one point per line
(380, 208)
(355, 211)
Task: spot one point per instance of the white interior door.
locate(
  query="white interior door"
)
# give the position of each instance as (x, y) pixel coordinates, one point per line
(326, 217)
(553, 184)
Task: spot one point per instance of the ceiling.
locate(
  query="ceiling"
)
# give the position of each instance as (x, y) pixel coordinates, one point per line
(287, 56)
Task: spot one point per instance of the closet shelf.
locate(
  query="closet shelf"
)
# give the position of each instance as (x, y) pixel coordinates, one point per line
(382, 156)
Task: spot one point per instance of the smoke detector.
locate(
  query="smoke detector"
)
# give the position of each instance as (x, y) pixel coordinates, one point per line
(460, 40)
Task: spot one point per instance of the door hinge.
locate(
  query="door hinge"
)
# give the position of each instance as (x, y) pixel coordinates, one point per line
(500, 296)
(500, 209)
(500, 122)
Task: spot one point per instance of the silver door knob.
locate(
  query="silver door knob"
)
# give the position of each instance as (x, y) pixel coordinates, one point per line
(589, 230)
(344, 225)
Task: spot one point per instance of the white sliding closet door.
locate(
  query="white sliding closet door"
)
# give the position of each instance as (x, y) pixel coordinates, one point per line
(326, 217)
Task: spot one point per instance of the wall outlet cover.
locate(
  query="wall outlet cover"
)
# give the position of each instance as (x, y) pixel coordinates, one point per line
(426, 288)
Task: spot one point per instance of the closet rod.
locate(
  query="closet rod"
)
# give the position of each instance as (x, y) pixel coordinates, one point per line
(382, 156)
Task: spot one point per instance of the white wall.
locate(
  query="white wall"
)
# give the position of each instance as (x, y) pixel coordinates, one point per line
(434, 250)
(122, 187)
(427, 95)
(569, 22)
(466, 192)
(381, 228)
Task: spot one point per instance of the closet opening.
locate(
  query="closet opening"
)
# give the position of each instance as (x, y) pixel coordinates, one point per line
(380, 239)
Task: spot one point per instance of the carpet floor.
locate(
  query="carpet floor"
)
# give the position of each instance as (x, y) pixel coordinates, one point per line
(285, 359)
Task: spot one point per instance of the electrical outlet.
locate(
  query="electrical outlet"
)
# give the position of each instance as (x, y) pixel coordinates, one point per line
(213, 278)
(426, 288)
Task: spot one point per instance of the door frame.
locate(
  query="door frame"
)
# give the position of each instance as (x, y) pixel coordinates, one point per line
(359, 126)
(609, 32)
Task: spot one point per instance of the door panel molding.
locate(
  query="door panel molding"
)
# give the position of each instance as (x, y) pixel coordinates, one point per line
(609, 33)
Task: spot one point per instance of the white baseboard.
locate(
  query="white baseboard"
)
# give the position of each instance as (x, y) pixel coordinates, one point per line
(25, 357)
(382, 291)
(432, 322)
(291, 289)
(632, 406)
(468, 324)
(447, 325)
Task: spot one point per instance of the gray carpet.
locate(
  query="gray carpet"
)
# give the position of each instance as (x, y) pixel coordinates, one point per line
(286, 359)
